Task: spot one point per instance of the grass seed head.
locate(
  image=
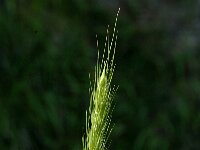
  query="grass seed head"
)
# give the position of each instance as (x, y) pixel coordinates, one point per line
(98, 121)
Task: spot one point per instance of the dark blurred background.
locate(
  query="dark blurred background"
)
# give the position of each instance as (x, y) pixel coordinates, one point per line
(48, 48)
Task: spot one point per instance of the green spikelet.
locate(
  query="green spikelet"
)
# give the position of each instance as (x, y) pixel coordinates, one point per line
(98, 121)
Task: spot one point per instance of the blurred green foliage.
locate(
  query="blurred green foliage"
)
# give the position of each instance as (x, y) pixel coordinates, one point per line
(47, 49)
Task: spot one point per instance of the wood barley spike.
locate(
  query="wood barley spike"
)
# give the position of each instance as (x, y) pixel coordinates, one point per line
(98, 117)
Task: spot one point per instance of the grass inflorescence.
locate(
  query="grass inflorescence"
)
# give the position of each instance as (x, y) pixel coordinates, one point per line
(98, 118)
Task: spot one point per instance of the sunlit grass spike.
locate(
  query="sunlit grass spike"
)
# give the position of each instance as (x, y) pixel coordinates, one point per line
(98, 118)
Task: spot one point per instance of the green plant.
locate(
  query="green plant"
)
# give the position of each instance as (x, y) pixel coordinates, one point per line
(98, 121)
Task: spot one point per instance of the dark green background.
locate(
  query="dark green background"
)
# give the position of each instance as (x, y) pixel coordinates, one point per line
(48, 48)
